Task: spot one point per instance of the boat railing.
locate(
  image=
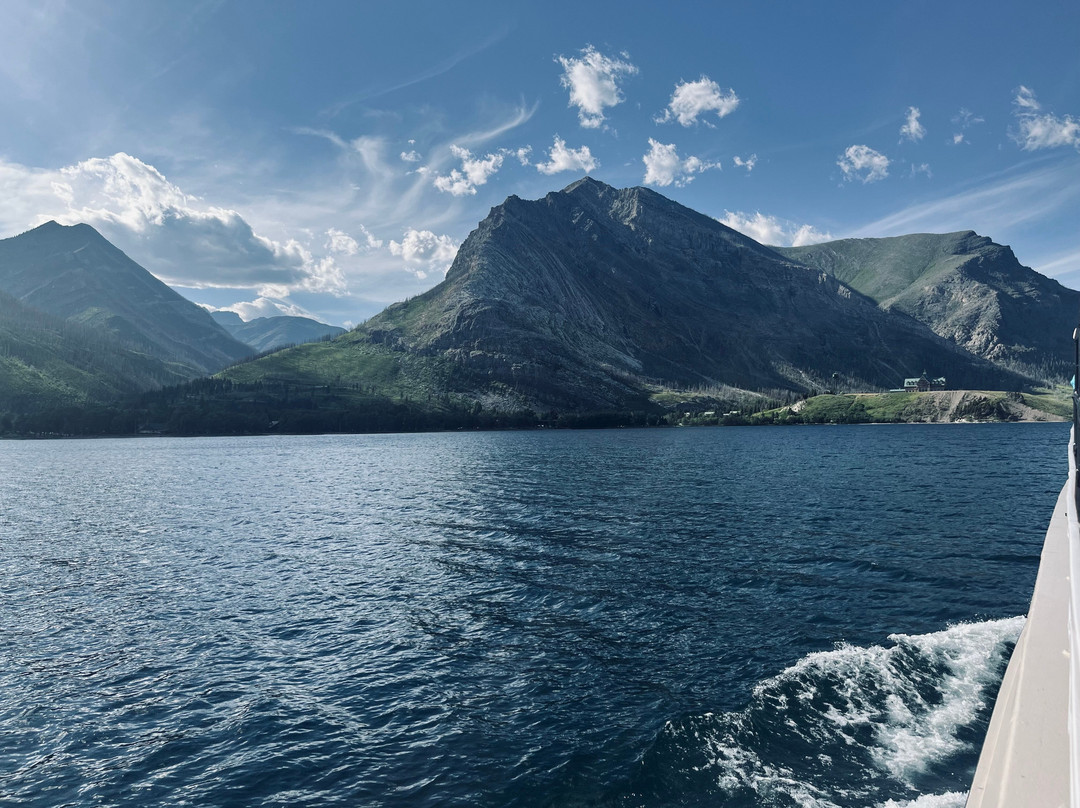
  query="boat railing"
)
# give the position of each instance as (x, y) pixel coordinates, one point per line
(1074, 585)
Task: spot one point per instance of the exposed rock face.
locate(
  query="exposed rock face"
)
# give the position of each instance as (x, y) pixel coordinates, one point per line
(271, 333)
(76, 274)
(582, 298)
(967, 289)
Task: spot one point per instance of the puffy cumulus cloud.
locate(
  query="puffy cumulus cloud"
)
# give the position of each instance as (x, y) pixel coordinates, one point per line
(524, 155)
(663, 166)
(772, 230)
(863, 163)
(692, 99)
(411, 156)
(473, 172)
(593, 81)
(175, 235)
(424, 251)
(912, 129)
(264, 307)
(1042, 131)
(560, 158)
(747, 163)
(342, 243)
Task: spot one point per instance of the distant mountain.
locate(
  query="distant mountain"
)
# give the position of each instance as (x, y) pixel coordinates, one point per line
(595, 298)
(967, 289)
(75, 274)
(270, 333)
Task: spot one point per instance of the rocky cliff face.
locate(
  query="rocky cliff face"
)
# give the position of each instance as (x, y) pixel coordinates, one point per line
(967, 289)
(585, 298)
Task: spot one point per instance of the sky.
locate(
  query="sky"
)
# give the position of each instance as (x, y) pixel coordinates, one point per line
(328, 158)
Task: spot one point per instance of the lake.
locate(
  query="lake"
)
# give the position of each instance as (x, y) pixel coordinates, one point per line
(813, 616)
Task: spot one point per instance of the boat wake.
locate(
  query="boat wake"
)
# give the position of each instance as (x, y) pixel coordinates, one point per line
(895, 726)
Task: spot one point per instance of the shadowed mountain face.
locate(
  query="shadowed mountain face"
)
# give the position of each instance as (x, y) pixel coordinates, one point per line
(47, 361)
(581, 296)
(593, 298)
(967, 289)
(271, 333)
(75, 274)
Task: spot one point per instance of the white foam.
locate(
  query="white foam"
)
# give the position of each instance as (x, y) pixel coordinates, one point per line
(907, 703)
(952, 799)
(919, 733)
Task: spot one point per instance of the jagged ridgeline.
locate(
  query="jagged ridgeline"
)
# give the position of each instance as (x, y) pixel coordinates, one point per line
(965, 288)
(594, 298)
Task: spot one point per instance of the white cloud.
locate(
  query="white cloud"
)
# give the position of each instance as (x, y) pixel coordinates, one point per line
(422, 248)
(748, 163)
(1025, 100)
(996, 207)
(923, 168)
(663, 166)
(412, 156)
(1046, 131)
(473, 172)
(863, 163)
(593, 82)
(912, 129)
(964, 119)
(694, 98)
(342, 243)
(175, 235)
(772, 230)
(524, 155)
(264, 307)
(560, 158)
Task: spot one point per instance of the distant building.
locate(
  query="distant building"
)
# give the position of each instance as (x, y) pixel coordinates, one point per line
(923, 384)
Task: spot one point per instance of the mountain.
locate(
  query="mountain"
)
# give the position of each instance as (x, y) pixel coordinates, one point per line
(270, 333)
(967, 289)
(46, 361)
(596, 298)
(75, 274)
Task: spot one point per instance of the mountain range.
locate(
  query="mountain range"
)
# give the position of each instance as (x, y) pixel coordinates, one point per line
(590, 299)
(594, 298)
(967, 289)
(271, 333)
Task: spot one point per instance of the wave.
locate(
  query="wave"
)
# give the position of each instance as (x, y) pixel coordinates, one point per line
(895, 726)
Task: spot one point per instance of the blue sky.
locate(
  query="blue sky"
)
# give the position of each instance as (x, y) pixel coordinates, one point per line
(327, 158)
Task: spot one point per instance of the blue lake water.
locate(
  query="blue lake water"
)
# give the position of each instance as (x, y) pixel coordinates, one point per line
(730, 617)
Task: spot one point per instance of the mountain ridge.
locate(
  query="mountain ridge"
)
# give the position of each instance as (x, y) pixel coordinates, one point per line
(966, 288)
(73, 272)
(594, 297)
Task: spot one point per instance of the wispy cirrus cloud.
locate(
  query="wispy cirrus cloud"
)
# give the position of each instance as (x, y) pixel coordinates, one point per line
(692, 99)
(994, 207)
(664, 166)
(863, 163)
(1042, 130)
(964, 120)
(562, 158)
(773, 230)
(593, 81)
